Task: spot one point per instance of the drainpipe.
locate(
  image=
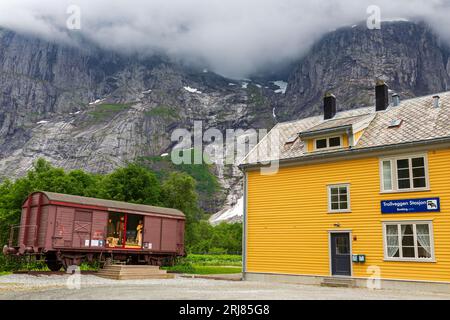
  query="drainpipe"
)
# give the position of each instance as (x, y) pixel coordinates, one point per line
(244, 230)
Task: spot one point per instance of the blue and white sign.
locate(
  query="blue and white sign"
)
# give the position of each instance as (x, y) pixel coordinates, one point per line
(411, 205)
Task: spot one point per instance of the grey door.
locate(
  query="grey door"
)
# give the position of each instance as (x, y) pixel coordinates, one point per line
(340, 254)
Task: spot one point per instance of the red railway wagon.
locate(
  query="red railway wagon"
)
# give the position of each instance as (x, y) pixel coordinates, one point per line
(67, 230)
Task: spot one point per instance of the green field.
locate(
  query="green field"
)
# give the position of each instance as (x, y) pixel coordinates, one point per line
(215, 260)
(208, 264)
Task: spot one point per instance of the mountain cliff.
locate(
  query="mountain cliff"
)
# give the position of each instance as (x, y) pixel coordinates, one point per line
(408, 56)
(80, 106)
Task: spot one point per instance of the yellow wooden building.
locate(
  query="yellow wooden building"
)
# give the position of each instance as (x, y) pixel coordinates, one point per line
(359, 197)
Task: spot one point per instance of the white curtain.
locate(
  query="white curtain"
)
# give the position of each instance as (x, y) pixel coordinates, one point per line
(392, 240)
(387, 175)
(423, 237)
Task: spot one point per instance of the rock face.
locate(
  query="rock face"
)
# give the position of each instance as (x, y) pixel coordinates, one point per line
(84, 107)
(408, 56)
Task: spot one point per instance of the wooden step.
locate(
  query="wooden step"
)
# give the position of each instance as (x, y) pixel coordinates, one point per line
(131, 272)
(338, 282)
(141, 277)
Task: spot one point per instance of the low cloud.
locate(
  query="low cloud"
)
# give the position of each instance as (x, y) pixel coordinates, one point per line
(233, 37)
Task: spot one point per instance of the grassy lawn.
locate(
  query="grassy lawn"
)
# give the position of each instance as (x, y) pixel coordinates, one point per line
(216, 269)
(193, 264)
(4, 273)
(208, 264)
(215, 259)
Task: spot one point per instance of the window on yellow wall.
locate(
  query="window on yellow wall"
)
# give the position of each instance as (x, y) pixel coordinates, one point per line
(404, 173)
(334, 142)
(387, 175)
(408, 241)
(328, 143)
(339, 198)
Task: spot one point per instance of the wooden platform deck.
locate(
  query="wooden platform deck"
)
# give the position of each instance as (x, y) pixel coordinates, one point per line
(127, 272)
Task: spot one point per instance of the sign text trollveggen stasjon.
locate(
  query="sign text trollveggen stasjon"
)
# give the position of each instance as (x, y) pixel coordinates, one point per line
(411, 205)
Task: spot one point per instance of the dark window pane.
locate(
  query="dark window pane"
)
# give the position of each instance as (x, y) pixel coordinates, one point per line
(343, 197)
(320, 144)
(342, 245)
(403, 174)
(334, 199)
(334, 191)
(343, 190)
(335, 206)
(419, 172)
(420, 183)
(408, 252)
(423, 252)
(344, 206)
(404, 184)
(402, 164)
(408, 241)
(335, 142)
(418, 162)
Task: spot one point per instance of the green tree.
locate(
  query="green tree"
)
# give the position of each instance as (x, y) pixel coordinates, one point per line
(132, 183)
(178, 192)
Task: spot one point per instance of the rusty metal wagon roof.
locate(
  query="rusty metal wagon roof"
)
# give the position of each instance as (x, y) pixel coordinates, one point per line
(111, 204)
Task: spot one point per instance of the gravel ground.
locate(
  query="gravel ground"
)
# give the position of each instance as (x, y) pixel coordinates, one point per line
(54, 287)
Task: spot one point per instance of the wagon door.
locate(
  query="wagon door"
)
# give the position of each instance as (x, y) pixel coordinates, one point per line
(169, 235)
(152, 233)
(82, 229)
(63, 227)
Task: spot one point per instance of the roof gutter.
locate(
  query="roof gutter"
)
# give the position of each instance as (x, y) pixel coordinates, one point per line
(308, 134)
(350, 152)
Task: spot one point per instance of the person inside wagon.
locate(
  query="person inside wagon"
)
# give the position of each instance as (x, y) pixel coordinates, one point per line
(111, 229)
(120, 229)
(112, 239)
(139, 233)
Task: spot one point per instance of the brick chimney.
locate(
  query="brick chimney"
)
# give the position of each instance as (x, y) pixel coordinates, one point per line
(381, 95)
(329, 106)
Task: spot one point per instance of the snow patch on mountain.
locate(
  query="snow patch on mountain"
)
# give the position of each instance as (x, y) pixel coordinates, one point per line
(96, 101)
(192, 90)
(282, 85)
(233, 214)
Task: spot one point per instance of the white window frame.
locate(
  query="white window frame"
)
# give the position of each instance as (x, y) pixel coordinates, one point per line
(339, 185)
(341, 142)
(414, 223)
(394, 177)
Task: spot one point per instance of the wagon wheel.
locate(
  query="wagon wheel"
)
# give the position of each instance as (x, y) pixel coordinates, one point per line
(52, 263)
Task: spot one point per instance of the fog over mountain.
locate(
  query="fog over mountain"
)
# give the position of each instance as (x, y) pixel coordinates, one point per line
(234, 38)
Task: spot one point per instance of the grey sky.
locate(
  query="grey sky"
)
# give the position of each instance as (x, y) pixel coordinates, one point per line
(231, 37)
